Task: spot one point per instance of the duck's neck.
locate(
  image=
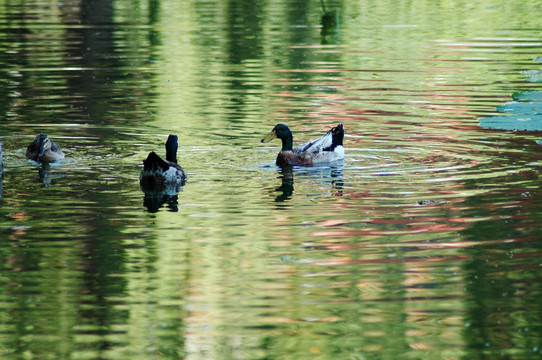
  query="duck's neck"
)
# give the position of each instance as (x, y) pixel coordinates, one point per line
(171, 154)
(287, 143)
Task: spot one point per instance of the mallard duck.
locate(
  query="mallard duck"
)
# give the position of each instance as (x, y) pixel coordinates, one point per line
(159, 172)
(326, 149)
(43, 149)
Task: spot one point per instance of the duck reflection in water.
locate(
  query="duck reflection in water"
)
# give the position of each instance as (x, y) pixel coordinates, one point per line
(45, 174)
(154, 200)
(328, 175)
(337, 183)
(161, 180)
(286, 189)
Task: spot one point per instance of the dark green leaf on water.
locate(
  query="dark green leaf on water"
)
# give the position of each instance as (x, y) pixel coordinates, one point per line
(513, 122)
(515, 107)
(533, 95)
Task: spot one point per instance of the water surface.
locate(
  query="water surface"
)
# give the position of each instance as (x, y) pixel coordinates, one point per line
(423, 243)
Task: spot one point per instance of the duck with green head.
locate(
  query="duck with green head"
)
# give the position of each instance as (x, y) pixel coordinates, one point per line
(325, 149)
(158, 172)
(43, 149)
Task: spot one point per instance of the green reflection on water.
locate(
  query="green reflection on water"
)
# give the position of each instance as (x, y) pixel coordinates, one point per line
(422, 245)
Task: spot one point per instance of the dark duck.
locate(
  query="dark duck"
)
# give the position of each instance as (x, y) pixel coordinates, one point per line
(323, 150)
(44, 150)
(158, 172)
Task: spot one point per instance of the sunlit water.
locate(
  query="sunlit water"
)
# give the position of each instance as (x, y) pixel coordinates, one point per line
(423, 243)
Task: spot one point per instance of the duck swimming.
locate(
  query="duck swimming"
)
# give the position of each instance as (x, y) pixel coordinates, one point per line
(159, 172)
(326, 149)
(43, 149)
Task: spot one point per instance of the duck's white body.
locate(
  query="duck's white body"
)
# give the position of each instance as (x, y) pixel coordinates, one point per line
(321, 150)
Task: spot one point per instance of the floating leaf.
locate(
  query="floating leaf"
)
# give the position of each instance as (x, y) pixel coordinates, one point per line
(513, 122)
(531, 72)
(534, 107)
(527, 96)
(534, 75)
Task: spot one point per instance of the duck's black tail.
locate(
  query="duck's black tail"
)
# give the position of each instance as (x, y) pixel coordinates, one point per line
(154, 163)
(338, 134)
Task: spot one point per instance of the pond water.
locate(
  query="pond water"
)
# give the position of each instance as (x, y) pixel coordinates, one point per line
(425, 243)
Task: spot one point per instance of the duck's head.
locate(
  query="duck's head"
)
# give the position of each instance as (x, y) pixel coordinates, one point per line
(282, 132)
(42, 143)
